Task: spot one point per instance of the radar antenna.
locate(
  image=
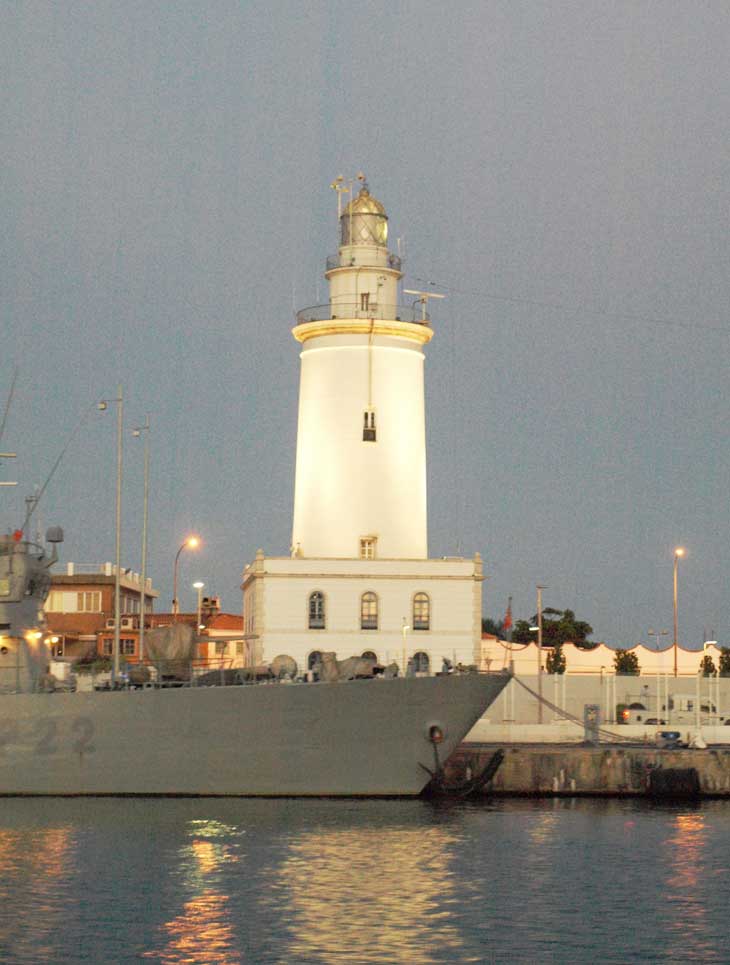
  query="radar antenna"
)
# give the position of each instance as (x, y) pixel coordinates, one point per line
(423, 298)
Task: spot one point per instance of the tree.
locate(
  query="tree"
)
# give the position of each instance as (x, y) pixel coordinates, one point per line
(725, 661)
(558, 627)
(626, 662)
(556, 662)
(522, 632)
(491, 626)
(707, 666)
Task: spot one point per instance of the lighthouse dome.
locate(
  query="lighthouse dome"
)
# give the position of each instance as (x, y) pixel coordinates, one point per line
(364, 221)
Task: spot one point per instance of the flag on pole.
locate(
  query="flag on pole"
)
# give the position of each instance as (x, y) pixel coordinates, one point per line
(507, 622)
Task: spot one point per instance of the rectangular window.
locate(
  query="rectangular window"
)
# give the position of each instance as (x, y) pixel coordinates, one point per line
(239, 648)
(368, 546)
(54, 603)
(221, 648)
(364, 301)
(106, 647)
(126, 648)
(89, 601)
(368, 426)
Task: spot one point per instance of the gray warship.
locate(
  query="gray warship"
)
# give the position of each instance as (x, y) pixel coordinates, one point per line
(361, 737)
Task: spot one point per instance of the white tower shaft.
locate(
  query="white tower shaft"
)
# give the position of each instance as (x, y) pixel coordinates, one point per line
(360, 484)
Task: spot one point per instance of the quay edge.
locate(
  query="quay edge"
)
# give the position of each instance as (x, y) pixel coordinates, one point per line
(604, 770)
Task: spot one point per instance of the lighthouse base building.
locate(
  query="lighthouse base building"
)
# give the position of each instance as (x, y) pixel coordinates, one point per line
(358, 580)
(420, 610)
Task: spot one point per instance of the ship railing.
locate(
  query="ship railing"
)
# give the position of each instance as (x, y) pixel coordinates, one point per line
(398, 313)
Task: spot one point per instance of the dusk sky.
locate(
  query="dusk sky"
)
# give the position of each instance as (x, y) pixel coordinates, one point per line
(559, 170)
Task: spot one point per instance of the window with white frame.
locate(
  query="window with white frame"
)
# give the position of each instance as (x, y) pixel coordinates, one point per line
(88, 601)
(368, 547)
(54, 603)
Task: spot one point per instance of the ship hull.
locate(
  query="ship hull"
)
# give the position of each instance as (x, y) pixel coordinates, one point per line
(355, 738)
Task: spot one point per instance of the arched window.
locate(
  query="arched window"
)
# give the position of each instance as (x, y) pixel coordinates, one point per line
(369, 655)
(368, 611)
(313, 659)
(421, 662)
(316, 610)
(421, 612)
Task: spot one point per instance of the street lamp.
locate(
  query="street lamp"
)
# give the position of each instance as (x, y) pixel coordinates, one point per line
(657, 634)
(404, 630)
(678, 554)
(199, 587)
(102, 405)
(540, 588)
(137, 432)
(191, 542)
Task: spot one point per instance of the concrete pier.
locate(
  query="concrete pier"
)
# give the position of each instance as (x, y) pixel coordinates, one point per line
(602, 771)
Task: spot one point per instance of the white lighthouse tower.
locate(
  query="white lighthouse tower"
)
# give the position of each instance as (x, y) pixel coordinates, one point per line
(361, 440)
(358, 579)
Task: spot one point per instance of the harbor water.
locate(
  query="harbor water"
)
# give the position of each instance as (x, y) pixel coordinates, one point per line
(228, 881)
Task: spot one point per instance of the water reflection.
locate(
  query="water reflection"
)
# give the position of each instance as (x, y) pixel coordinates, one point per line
(685, 885)
(203, 932)
(36, 872)
(370, 895)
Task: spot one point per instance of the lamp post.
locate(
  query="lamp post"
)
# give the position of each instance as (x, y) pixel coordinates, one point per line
(137, 432)
(657, 634)
(102, 405)
(404, 630)
(540, 588)
(199, 587)
(678, 554)
(189, 543)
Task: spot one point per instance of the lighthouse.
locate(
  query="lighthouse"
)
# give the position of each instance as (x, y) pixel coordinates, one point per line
(360, 488)
(358, 579)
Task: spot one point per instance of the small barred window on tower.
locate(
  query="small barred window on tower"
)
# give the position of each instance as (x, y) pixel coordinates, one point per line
(368, 426)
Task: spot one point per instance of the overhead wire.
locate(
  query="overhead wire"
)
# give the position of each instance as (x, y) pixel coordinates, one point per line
(573, 309)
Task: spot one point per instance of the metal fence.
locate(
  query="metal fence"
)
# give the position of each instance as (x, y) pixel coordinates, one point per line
(398, 313)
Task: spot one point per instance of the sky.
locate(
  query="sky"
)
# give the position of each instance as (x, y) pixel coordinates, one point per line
(559, 171)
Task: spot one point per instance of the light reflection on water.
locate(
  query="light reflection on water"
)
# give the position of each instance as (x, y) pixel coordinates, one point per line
(392, 885)
(222, 882)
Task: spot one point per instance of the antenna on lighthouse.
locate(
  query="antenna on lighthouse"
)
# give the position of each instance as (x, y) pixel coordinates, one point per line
(423, 298)
(341, 188)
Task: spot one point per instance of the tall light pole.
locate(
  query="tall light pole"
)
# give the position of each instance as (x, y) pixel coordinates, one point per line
(145, 507)
(118, 556)
(678, 554)
(199, 587)
(657, 634)
(189, 543)
(538, 628)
